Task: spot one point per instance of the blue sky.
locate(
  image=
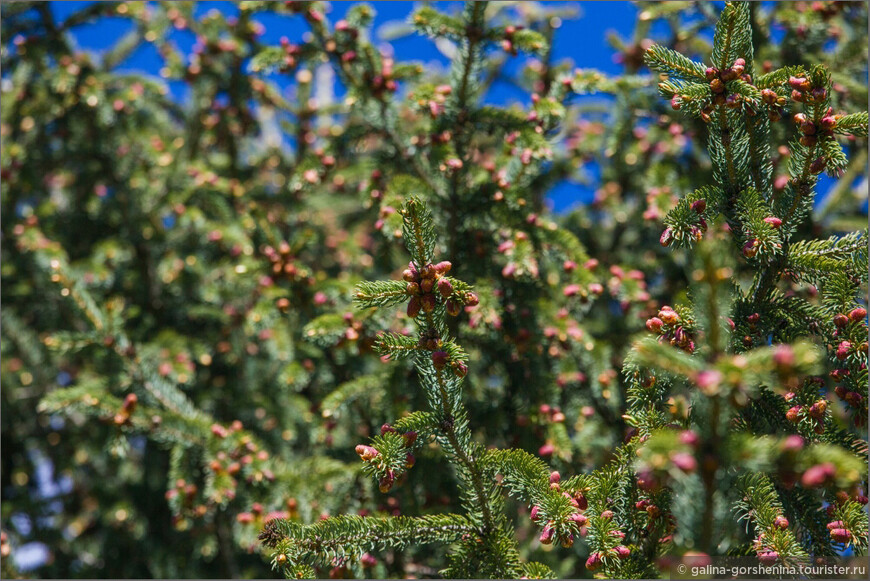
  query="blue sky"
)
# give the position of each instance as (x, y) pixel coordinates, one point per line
(583, 40)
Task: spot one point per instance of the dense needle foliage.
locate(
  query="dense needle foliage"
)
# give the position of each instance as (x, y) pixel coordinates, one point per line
(336, 330)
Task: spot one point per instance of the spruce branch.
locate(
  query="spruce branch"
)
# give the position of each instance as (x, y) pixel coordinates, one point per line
(733, 35)
(815, 260)
(347, 537)
(761, 505)
(431, 22)
(524, 475)
(737, 389)
(380, 293)
(674, 64)
(348, 392)
(419, 232)
(397, 346)
(853, 124)
(441, 364)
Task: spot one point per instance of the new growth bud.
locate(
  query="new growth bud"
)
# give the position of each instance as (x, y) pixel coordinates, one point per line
(440, 359)
(366, 452)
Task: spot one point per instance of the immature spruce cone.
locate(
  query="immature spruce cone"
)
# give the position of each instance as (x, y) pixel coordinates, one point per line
(270, 535)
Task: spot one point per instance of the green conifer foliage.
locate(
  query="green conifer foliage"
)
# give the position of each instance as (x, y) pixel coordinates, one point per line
(211, 341)
(484, 544)
(728, 441)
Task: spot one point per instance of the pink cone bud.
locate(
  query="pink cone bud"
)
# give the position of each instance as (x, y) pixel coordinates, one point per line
(414, 306)
(750, 249)
(667, 237)
(733, 101)
(428, 303)
(685, 462)
(690, 438)
(593, 563)
(827, 123)
(818, 475)
(445, 287)
(843, 350)
(443, 267)
(818, 165)
(709, 379)
(547, 534)
(783, 355)
(841, 536)
(546, 450)
(818, 409)
(386, 483)
(366, 452)
(792, 443)
(440, 359)
(797, 83)
(669, 316)
(854, 399)
(367, 561)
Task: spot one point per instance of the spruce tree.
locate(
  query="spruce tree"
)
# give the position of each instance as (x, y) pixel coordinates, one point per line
(726, 439)
(484, 543)
(191, 343)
